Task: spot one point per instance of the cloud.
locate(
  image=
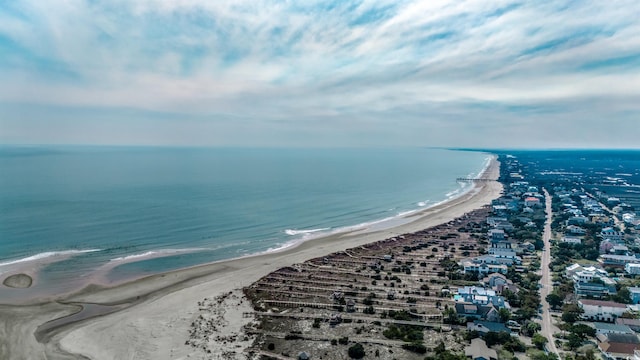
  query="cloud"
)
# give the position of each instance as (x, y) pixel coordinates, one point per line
(323, 69)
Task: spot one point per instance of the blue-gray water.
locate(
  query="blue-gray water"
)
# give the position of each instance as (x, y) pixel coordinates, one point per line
(219, 203)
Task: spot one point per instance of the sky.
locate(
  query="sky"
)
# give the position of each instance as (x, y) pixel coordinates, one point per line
(497, 73)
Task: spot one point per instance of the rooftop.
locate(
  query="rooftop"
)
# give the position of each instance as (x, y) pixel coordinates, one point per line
(602, 303)
(606, 327)
(479, 348)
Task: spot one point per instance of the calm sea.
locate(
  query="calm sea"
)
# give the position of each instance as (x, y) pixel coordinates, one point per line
(176, 207)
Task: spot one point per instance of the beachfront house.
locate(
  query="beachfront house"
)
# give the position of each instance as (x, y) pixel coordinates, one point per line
(481, 296)
(477, 312)
(496, 235)
(481, 268)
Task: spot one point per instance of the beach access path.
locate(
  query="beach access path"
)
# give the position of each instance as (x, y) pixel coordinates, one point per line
(159, 309)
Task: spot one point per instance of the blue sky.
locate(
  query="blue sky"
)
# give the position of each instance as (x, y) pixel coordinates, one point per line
(321, 73)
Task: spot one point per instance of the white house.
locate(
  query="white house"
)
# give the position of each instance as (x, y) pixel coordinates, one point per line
(531, 201)
(598, 310)
(483, 268)
(632, 269)
(571, 239)
(610, 234)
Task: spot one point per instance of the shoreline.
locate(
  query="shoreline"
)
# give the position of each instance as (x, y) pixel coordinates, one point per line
(98, 276)
(158, 309)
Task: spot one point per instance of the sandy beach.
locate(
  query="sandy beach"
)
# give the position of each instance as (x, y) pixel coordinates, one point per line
(151, 318)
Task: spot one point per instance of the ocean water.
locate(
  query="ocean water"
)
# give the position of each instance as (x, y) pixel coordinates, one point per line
(144, 210)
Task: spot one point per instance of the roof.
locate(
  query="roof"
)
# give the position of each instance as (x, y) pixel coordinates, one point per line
(495, 274)
(478, 348)
(606, 327)
(466, 308)
(623, 338)
(618, 348)
(602, 303)
(630, 322)
(492, 326)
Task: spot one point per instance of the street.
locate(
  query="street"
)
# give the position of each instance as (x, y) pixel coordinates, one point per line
(547, 326)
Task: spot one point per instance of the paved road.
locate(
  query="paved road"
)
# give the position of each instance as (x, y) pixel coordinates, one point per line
(547, 326)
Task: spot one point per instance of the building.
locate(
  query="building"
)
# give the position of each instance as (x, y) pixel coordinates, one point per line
(499, 259)
(619, 346)
(502, 250)
(619, 249)
(477, 312)
(634, 324)
(575, 230)
(592, 282)
(577, 220)
(494, 220)
(478, 350)
(611, 234)
(598, 310)
(632, 269)
(482, 268)
(505, 225)
(635, 295)
(481, 296)
(606, 246)
(618, 260)
(532, 202)
(607, 328)
(569, 239)
(483, 327)
(496, 235)
(495, 279)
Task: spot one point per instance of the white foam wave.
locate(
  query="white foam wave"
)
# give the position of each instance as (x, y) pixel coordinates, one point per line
(48, 254)
(422, 203)
(293, 232)
(155, 253)
(453, 193)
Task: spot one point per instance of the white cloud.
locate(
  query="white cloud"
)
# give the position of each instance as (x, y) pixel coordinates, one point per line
(288, 60)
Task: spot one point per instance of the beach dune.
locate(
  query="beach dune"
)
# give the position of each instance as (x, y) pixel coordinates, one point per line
(151, 318)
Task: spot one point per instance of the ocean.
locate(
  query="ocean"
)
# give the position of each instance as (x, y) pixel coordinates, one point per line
(144, 210)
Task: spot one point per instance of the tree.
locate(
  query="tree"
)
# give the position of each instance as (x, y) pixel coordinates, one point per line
(571, 313)
(504, 314)
(623, 296)
(554, 300)
(582, 330)
(451, 316)
(531, 328)
(539, 341)
(356, 351)
(575, 341)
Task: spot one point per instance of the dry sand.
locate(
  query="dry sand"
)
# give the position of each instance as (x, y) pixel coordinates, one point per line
(164, 306)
